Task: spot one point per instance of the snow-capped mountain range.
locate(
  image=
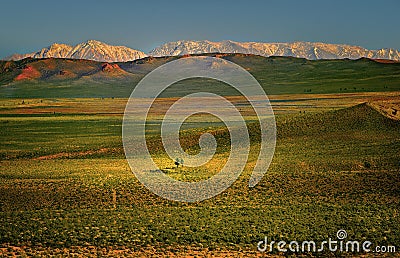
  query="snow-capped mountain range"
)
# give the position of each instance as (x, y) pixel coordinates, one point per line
(90, 50)
(308, 50)
(99, 51)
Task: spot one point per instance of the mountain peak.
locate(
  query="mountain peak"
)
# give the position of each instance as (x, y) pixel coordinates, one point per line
(93, 42)
(90, 50)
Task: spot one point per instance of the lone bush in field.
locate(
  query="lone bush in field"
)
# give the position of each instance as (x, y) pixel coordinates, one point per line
(178, 161)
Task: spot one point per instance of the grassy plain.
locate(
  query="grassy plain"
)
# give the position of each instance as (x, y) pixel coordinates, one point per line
(277, 75)
(66, 187)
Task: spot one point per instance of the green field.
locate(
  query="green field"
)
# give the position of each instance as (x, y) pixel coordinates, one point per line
(277, 75)
(66, 187)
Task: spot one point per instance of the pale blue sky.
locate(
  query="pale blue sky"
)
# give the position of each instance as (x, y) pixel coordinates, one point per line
(27, 26)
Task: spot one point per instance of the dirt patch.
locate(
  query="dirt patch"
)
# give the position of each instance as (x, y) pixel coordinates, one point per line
(389, 108)
(386, 61)
(28, 73)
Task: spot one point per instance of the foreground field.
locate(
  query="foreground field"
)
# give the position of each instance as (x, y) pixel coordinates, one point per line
(66, 188)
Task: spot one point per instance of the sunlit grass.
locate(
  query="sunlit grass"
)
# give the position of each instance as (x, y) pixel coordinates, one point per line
(318, 183)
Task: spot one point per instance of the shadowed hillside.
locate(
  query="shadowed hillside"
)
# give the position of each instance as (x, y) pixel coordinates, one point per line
(361, 117)
(326, 138)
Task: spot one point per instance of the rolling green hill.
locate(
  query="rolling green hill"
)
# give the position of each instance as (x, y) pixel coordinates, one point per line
(49, 78)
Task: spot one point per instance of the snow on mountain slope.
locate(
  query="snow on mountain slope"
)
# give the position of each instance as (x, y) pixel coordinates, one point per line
(308, 50)
(90, 50)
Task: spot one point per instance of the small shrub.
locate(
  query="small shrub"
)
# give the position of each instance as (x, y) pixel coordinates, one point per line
(367, 164)
(178, 161)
